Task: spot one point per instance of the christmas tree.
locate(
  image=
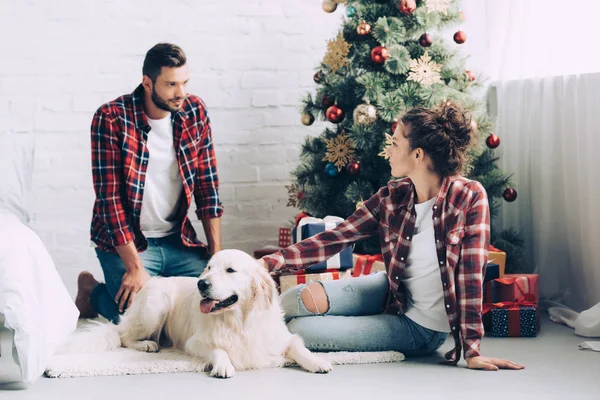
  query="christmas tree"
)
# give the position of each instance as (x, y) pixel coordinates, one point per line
(389, 56)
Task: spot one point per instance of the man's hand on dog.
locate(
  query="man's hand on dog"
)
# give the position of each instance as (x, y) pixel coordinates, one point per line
(133, 281)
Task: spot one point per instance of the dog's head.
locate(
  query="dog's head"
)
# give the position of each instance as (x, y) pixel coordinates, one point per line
(234, 278)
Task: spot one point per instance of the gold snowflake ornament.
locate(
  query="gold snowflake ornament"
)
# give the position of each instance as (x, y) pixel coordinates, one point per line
(385, 153)
(438, 5)
(340, 150)
(337, 52)
(294, 196)
(424, 71)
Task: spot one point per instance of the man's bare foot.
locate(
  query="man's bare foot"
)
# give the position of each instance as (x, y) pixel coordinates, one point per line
(85, 284)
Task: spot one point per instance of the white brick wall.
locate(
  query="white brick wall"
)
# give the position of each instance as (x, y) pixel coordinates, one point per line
(250, 60)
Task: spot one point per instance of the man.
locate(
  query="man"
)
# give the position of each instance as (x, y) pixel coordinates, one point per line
(152, 152)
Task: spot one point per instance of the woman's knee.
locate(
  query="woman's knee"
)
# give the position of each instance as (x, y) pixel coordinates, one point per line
(314, 298)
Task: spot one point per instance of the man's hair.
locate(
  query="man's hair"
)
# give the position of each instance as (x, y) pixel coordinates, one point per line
(162, 55)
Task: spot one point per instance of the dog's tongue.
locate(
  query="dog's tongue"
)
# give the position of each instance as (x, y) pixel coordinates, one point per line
(206, 305)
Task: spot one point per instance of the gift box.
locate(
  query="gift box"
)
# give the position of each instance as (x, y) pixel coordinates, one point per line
(497, 257)
(512, 287)
(288, 281)
(285, 237)
(310, 226)
(492, 271)
(513, 319)
(365, 264)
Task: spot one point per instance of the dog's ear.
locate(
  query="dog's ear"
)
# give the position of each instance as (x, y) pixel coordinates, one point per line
(264, 290)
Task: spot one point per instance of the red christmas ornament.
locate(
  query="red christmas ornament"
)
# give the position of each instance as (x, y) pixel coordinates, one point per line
(394, 126)
(407, 7)
(318, 77)
(460, 37)
(470, 75)
(492, 141)
(425, 40)
(299, 217)
(353, 168)
(379, 54)
(326, 101)
(335, 114)
(510, 195)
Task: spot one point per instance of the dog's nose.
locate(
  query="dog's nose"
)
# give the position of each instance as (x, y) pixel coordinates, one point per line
(203, 285)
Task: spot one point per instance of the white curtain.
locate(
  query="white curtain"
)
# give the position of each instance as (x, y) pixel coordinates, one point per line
(546, 93)
(535, 38)
(550, 135)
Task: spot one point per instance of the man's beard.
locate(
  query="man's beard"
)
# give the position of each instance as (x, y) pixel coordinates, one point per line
(162, 104)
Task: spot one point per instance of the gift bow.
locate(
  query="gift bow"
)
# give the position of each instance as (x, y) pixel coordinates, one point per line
(528, 300)
(364, 263)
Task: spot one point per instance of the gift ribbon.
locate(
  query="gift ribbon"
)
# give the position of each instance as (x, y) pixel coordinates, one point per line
(364, 264)
(300, 279)
(514, 310)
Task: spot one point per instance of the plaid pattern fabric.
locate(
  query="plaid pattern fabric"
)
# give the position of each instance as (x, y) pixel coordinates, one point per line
(119, 133)
(461, 219)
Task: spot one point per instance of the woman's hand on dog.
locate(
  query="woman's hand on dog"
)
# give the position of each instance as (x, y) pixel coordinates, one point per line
(133, 281)
(491, 364)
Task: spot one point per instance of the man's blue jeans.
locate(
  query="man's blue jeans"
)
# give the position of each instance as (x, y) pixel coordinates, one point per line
(166, 256)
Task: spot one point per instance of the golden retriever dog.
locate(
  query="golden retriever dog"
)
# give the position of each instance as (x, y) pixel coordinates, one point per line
(229, 318)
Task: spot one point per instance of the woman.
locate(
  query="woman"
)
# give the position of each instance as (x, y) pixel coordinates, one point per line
(433, 227)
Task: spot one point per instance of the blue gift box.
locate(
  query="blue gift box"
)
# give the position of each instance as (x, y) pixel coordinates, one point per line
(492, 271)
(343, 262)
(521, 322)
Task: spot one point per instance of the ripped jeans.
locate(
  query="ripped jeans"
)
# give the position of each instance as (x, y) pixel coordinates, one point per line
(354, 321)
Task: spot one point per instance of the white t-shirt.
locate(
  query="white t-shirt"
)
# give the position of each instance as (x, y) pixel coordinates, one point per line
(422, 277)
(164, 184)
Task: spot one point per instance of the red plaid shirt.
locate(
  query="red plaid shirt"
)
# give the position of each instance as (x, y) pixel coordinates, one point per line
(461, 219)
(120, 159)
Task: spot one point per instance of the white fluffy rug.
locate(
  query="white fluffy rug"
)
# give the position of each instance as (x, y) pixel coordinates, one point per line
(131, 362)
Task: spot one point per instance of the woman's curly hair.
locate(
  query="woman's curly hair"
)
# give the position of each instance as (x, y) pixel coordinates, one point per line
(444, 133)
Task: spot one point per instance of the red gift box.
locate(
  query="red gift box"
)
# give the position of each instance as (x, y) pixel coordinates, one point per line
(285, 237)
(512, 287)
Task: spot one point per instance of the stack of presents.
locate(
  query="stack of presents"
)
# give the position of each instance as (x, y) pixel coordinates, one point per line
(510, 300)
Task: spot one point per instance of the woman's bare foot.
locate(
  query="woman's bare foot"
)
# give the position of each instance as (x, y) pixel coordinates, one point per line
(85, 284)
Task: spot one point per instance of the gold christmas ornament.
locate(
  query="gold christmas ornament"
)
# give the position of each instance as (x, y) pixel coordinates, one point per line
(340, 150)
(424, 71)
(385, 153)
(307, 119)
(337, 52)
(365, 114)
(294, 195)
(360, 204)
(363, 28)
(329, 6)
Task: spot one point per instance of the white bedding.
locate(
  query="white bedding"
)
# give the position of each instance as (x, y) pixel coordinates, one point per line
(35, 304)
(33, 299)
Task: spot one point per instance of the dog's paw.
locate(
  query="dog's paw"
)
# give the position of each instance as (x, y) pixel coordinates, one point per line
(148, 346)
(222, 370)
(318, 366)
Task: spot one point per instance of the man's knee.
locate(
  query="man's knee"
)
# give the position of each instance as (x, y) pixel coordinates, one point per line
(314, 298)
